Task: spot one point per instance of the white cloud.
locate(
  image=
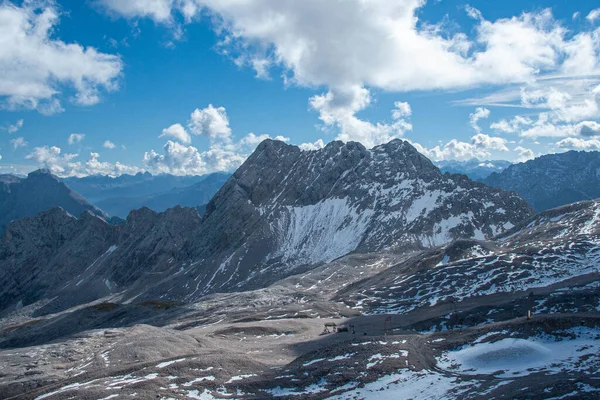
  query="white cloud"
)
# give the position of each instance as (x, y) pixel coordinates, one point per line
(15, 127)
(576, 15)
(579, 144)
(37, 67)
(401, 110)
(253, 140)
(223, 154)
(94, 166)
(108, 145)
(53, 159)
(211, 122)
(65, 165)
(319, 144)
(480, 147)
(337, 109)
(354, 46)
(483, 141)
(18, 142)
(524, 154)
(480, 113)
(158, 10)
(75, 138)
(593, 15)
(178, 132)
(513, 125)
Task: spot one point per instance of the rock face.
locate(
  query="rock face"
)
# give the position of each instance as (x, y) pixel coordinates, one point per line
(553, 180)
(38, 192)
(285, 211)
(474, 169)
(39, 254)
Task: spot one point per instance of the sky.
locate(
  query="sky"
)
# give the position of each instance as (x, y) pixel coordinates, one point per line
(192, 86)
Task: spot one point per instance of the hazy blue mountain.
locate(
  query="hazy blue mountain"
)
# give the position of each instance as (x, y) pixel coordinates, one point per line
(100, 187)
(194, 195)
(40, 191)
(474, 168)
(553, 180)
(120, 195)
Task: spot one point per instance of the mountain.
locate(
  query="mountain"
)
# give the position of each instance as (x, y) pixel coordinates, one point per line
(118, 196)
(38, 192)
(553, 180)
(283, 211)
(446, 322)
(474, 169)
(194, 195)
(100, 187)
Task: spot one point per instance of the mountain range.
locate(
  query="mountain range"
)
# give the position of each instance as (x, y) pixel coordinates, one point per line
(474, 168)
(117, 196)
(552, 180)
(283, 211)
(434, 284)
(39, 191)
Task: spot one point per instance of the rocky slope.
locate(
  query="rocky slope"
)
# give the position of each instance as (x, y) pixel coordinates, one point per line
(553, 180)
(40, 254)
(38, 192)
(448, 322)
(286, 211)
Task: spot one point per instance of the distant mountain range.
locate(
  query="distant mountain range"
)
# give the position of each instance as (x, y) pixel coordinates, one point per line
(118, 196)
(284, 211)
(552, 180)
(22, 197)
(474, 169)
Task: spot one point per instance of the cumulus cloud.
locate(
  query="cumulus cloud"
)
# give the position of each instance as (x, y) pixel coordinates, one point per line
(579, 144)
(108, 145)
(178, 132)
(480, 147)
(253, 140)
(53, 159)
(319, 144)
(524, 154)
(15, 127)
(224, 153)
(337, 109)
(18, 142)
(65, 165)
(211, 122)
(593, 15)
(514, 125)
(480, 113)
(75, 138)
(37, 67)
(94, 166)
(383, 45)
(483, 141)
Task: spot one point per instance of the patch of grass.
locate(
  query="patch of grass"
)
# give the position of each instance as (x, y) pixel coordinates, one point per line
(13, 328)
(106, 306)
(158, 305)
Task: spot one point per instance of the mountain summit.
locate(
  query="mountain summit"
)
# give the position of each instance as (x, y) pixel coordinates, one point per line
(285, 211)
(38, 192)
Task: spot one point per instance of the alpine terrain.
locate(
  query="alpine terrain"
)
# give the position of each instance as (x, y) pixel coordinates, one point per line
(339, 273)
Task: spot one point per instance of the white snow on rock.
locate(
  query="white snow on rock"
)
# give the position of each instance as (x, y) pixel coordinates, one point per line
(321, 232)
(521, 357)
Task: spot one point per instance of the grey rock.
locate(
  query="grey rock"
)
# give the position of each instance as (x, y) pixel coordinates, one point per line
(553, 180)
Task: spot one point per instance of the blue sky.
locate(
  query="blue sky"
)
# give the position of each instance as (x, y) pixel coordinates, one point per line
(91, 86)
